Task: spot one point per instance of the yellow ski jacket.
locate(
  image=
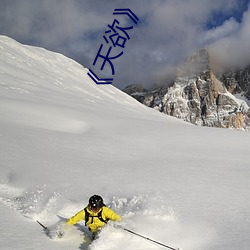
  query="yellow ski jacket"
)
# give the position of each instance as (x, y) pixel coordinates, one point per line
(94, 223)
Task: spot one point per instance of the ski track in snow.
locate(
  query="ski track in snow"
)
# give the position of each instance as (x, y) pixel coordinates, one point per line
(145, 214)
(43, 117)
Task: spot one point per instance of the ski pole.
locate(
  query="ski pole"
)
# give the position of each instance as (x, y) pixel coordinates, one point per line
(146, 238)
(45, 228)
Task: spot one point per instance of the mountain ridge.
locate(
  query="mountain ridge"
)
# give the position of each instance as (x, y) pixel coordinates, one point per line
(200, 95)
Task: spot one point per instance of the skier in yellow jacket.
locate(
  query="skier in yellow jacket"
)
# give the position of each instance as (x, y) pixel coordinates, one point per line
(96, 215)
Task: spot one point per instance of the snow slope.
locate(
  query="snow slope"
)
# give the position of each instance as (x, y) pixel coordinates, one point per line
(64, 138)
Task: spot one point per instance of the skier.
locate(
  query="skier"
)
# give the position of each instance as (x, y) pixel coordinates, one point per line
(95, 214)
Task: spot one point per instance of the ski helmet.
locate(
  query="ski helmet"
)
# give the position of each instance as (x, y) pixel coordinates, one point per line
(95, 202)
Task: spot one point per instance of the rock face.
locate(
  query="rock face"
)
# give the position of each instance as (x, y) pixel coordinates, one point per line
(237, 81)
(137, 91)
(201, 97)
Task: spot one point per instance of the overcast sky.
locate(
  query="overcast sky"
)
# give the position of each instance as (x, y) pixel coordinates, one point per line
(167, 32)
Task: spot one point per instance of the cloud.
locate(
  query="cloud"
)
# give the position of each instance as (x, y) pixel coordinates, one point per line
(233, 49)
(168, 32)
(228, 28)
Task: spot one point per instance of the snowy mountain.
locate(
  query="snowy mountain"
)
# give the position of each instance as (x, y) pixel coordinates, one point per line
(237, 81)
(201, 96)
(64, 138)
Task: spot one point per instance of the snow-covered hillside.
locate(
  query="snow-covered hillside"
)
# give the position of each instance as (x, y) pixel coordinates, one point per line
(64, 138)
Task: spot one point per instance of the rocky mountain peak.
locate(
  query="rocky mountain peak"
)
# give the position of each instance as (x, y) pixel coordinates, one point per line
(202, 97)
(196, 64)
